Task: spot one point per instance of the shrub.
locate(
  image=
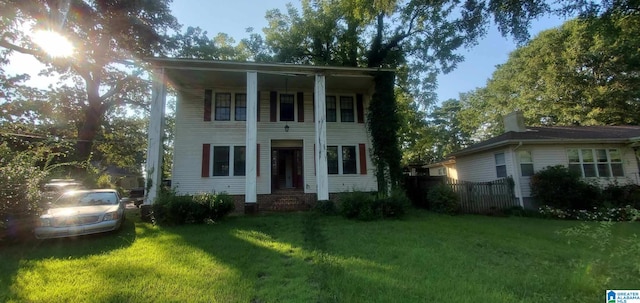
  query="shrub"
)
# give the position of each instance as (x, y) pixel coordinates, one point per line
(558, 187)
(396, 205)
(20, 193)
(615, 195)
(443, 199)
(359, 205)
(326, 207)
(173, 209)
(368, 206)
(222, 205)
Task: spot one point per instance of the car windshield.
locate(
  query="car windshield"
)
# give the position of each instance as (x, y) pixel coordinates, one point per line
(86, 199)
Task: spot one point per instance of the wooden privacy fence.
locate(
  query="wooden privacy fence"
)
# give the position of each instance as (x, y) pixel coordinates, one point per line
(483, 197)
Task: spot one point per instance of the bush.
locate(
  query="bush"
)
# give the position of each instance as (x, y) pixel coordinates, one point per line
(396, 205)
(443, 199)
(368, 206)
(326, 207)
(20, 193)
(173, 209)
(558, 187)
(359, 205)
(615, 195)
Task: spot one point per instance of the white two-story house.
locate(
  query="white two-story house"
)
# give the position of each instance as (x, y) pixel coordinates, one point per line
(275, 136)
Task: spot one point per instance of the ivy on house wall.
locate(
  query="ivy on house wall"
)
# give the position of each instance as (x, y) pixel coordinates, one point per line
(383, 125)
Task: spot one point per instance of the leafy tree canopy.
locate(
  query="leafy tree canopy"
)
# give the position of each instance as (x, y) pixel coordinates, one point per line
(586, 72)
(110, 38)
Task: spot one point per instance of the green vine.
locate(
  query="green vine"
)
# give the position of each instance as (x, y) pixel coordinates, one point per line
(383, 125)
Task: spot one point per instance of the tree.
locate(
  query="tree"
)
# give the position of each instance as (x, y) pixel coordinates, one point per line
(449, 131)
(110, 39)
(586, 72)
(419, 38)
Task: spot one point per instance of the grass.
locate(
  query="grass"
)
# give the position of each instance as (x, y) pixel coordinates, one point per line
(304, 257)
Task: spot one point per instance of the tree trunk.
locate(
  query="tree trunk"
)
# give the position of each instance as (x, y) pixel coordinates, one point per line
(87, 132)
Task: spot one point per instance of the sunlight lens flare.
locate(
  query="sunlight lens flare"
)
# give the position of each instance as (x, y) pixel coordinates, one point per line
(53, 43)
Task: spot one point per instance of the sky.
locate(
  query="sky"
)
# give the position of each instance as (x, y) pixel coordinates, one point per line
(233, 17)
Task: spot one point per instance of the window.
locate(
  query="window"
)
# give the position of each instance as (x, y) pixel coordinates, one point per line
(221, 160)
(223, 107)
(331, 109)
(286, 107)
(239, 158)
(595, 162)
(332, 160)
(346, 109)
(241, 107)
(501, 166)
(526, 163)
(349, 160)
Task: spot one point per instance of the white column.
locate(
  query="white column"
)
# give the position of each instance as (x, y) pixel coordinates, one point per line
(153, 167)
(322, 176)
(250, 192)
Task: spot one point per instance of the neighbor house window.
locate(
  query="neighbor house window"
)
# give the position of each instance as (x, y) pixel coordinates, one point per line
(501, 165)
(349, 160)
(346, 109)
(526, 163)
(221, 160)
(332, 160)
(598, 162)
(331, 109)
(239, 158)
(286, 107)
(223, 107)
(241, 107)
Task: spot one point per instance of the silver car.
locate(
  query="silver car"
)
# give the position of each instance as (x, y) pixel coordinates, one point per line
(82, 212)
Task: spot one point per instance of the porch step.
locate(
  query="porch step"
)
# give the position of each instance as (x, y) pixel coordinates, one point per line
(286, 203)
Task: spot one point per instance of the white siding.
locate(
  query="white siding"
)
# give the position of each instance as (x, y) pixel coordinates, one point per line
(481, 167)
(192, 132)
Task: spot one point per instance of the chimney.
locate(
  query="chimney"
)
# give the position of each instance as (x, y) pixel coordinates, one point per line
(514, 122)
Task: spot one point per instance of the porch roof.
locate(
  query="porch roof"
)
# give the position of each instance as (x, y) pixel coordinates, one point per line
(196, 73)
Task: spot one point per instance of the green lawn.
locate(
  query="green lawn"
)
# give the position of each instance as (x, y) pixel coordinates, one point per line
(304, 258)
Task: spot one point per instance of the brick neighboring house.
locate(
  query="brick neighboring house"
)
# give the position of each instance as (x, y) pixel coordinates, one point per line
(275, 136)
(603, 154)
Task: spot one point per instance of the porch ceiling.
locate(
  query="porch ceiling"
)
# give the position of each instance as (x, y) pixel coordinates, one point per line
(187, 73)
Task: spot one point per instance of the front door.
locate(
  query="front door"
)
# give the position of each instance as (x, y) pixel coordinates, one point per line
(286, 168)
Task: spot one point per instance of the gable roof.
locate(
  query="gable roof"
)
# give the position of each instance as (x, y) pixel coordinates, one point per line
(558, 134)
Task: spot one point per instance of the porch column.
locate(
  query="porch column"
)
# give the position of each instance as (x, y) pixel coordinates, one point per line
(251, 138)
(153, 167)
(322, 176)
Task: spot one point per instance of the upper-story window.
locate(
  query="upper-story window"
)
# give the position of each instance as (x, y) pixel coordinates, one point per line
(501, 165)
(346, 109)
(223, 106)
(286, 107)
(241, 107)
(332, 115)
(592, 162)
